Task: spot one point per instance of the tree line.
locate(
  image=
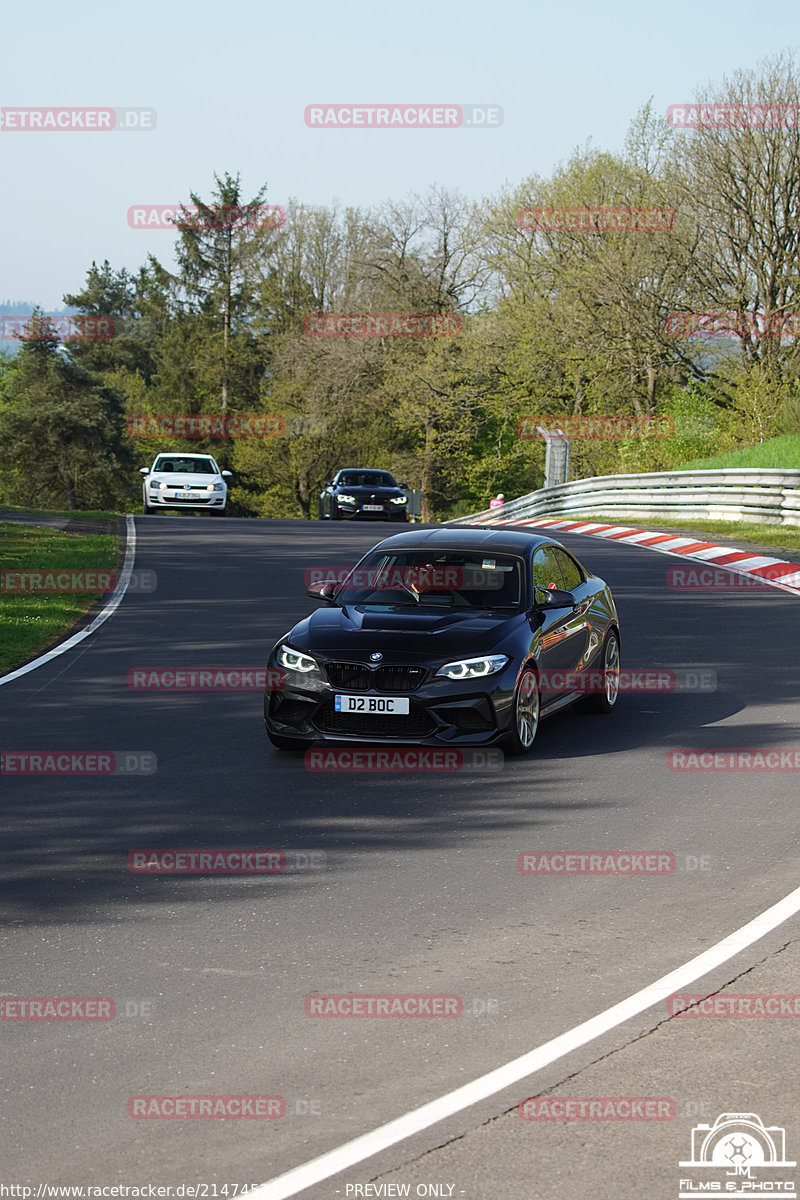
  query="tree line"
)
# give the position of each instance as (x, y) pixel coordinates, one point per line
(562, 297)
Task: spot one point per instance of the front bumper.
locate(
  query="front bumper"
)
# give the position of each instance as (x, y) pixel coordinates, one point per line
(388, 513)
(208, 500)
(442, 712)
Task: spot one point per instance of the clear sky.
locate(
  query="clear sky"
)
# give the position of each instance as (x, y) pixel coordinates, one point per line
(230, 82)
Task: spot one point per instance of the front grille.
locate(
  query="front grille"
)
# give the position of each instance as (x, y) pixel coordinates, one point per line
(417, 724)
(360, 678)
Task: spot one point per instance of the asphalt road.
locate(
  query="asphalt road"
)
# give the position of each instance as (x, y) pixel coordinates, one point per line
(418, 891)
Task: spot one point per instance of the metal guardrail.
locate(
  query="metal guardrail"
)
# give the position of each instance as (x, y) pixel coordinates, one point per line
(742, 494)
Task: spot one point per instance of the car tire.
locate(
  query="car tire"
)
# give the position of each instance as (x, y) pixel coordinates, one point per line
(287, 743)
(605, 701)
(147, 509)
(334, 513)
(526, 707)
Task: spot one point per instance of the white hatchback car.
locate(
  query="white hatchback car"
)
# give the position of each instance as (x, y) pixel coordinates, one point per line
(178, 480)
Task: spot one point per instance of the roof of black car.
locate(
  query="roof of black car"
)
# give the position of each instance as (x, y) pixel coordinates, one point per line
(469, 537)
(375, 470)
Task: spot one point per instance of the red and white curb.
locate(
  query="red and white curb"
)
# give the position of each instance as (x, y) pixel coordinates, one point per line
(759, 566)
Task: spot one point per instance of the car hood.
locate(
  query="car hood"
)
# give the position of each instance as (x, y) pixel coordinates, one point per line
(426, 634)
(180, 479)
(380, 490)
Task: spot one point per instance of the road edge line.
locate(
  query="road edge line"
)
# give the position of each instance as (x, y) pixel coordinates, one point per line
(367, 1145)
(113, 604)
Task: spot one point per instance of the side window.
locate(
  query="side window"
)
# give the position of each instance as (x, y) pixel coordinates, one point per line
(573, 575)
(546, 571)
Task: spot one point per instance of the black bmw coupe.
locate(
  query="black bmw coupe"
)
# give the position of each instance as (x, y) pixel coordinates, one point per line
(363, 494)
(446, 637)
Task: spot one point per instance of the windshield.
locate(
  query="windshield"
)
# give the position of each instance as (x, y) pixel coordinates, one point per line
(183, 464)
(435, 579)
(365, 479)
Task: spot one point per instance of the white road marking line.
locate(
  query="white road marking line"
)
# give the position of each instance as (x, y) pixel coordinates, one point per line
(102, 616)
(369, 1144)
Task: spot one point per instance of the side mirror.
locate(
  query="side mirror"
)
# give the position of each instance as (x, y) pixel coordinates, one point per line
(321, 592)
(553, 598)
(144, 470)
(405, 486)
(228, 473)
(328, 483)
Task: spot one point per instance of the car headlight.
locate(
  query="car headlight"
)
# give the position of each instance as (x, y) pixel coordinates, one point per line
(215, 487)
(399, 499)
(474, 668)
(165, 486)
(154, 484)
(293, 660)
(343, 499)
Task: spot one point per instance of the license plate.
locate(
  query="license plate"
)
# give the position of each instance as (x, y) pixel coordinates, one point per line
(388, 705)
(372, 508)
(183, 496)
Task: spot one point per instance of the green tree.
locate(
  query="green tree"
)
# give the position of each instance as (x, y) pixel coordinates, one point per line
(741, 183)
(61, 430)
(218, 251)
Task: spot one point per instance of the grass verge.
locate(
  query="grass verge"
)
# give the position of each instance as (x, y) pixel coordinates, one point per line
(34, 621)
(74, 514)
(782, 453)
